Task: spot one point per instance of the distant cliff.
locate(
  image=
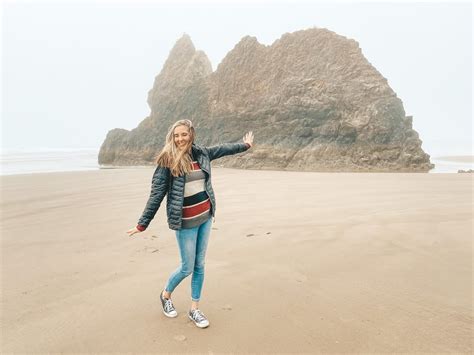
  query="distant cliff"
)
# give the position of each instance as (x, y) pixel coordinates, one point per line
(311, 98)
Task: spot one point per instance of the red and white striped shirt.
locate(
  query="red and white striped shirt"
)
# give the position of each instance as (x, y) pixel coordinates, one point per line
(197, 205)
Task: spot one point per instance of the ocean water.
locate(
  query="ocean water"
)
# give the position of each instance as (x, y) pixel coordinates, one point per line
(445, 166)
(48, 160)
(54, 160)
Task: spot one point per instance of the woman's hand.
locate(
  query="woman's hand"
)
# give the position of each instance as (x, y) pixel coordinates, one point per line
(248, 138)
(133, 231)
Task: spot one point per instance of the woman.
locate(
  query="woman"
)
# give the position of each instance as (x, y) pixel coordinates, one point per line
(184, 173)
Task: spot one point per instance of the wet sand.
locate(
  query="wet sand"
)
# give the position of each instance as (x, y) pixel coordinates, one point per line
(297, 262)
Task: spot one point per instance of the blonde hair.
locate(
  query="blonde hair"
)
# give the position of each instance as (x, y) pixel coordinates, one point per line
(178, 161)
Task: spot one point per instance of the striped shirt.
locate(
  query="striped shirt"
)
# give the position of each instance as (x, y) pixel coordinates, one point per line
(197, 205)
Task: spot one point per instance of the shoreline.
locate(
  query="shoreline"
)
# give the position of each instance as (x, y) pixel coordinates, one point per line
(51, 161)
(435, 170)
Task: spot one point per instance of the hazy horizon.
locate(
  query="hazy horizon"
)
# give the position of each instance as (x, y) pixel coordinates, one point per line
(71, 72)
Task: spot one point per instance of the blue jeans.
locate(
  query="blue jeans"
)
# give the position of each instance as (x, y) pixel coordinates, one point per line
(192, 244)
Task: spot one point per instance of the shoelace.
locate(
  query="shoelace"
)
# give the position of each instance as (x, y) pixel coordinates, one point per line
(198, 316)
(168, 305)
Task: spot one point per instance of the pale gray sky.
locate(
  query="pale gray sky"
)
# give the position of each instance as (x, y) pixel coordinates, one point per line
(73, 71)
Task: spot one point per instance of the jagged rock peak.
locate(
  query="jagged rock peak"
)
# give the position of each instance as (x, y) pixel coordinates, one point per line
(185, 62)
(184, 44)
(247, 47)
(181, 53)
(184, 54)
(249, 41)
(312, 32)
(183, 68)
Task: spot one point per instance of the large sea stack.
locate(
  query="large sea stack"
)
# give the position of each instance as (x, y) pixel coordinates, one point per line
(311, 98)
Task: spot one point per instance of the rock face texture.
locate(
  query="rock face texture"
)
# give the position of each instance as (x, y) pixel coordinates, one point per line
(311, 98)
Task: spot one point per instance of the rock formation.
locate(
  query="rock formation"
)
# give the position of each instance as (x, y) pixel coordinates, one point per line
(311, 98)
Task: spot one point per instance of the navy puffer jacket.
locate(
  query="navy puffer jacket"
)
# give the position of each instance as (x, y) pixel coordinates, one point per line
(164, 183)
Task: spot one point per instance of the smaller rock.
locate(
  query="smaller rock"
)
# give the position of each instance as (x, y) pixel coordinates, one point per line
(466, 171)
(227, 307)
(250, 235)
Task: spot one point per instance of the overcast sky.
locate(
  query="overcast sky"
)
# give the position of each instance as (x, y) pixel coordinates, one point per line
(73, 71)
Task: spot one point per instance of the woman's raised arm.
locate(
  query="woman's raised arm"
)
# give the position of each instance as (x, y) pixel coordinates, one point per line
(221, 150)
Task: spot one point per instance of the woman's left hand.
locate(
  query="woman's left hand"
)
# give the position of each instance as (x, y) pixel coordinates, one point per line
(248, 138)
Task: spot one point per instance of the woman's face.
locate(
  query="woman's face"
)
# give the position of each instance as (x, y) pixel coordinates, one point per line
(181, 136)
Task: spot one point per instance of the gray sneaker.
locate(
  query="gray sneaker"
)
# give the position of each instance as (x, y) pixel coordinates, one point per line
(168, 308)
(198, 318)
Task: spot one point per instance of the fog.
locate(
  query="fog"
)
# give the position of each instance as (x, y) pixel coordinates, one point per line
(73, 71)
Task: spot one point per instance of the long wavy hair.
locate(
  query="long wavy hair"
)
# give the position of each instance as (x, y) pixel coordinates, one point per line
(178, 161)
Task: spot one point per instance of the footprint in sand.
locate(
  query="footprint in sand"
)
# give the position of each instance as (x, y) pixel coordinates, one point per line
(179, 337)
(227, 307)
(148, 248)
(301, 278)
(250, 235)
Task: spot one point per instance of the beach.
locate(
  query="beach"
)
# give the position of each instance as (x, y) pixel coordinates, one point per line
(297, 262)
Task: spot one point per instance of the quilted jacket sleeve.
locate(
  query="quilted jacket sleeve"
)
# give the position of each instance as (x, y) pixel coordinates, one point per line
(159, 187)
(218, 151)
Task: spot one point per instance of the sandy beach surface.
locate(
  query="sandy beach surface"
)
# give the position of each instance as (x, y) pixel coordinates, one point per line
(297, 262)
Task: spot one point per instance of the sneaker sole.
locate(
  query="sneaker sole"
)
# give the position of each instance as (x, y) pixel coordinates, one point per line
(169, 315)
(198, 325)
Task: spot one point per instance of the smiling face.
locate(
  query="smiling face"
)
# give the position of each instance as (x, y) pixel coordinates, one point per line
(181, 136)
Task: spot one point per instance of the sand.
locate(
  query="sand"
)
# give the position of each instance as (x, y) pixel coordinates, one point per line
(297, 262)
